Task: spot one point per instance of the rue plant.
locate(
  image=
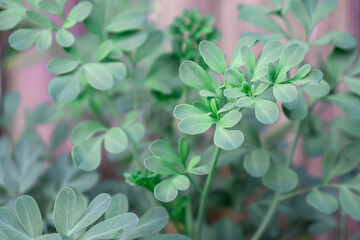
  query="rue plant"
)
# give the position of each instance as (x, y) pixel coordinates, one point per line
(188, 133)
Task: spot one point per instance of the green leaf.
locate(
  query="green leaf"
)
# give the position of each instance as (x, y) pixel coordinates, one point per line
(65, 38)
(39, 19)
(65, 88)
(62, 65)
(184, 149)
(347, 160)
(44, 40)
(51, 236)
(230, 119)
(301, 13)
(213, 56)
(64, 209)
(98, 76)
(167, 190)
(234, 77)
(321, 201)
(318, 90)
(236, 60)
(258, 15)
(127, 20)
(29, 215)
(78, 14)
(353, 84)
(343, 40)
(257, 162)
(170, 237)
(266, 111)
(245, 102)
(87, 154)
(339, 60)
(291, 56)
(104, 50)
(160, 165)
(119, 205)
(297, 109)
(115, 140)
(280, 178)
(348, 101)
(350, 202)
(327, 165)
(96, 208)
(9, 18)
(193, 162)
(226, 107)
(9, 104)
(130, 41)
(195, 76)
(83, 131)
(163, 149)
(248, 58)
(22, 39)
(153, 41)
(117, 70)
(323, 9)
(196, 124)
(313, 77)
(135, 132)
(10, 225)
(228, 139)
(285, 92)
(51, 7)
(112, 228)
(153, 221)
(303, 71)
(270, 54)
(234, 92)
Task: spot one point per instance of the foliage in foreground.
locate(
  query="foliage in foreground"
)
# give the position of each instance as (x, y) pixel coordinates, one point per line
(223, 110)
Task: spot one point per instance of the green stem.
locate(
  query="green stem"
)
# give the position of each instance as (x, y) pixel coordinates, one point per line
(118, 117)
(277, 197)
(205, 193)
(113, 108)
(189, 218)
(194, 183)
(342, 226)
(268, 217)
(293, 144)
(136, 156)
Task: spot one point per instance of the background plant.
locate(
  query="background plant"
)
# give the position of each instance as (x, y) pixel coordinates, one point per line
(129, 90)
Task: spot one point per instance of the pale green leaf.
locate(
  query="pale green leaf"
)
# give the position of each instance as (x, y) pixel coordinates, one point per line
(195, 76)
(87, 154)
(29, 215)
(115, 140)
(83, 131)
(321, 201)
(62, 65)
(127, 20)
(280, 178)
(98, 76)
(213, 56)
(257, 162)
(266, 111)
(285, 92)
(228, 139)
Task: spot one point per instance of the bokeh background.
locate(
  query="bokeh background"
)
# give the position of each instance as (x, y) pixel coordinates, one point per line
(26, 71)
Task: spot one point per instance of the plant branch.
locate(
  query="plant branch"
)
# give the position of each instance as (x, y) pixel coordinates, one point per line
(277, 197)
(205, 193)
